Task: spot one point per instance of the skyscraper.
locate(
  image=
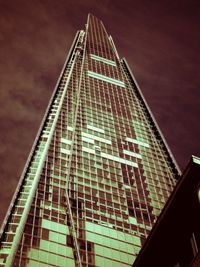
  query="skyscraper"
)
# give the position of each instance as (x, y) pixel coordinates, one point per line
(99, 171)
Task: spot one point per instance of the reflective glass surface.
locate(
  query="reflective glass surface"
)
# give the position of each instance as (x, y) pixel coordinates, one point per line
(99, 173)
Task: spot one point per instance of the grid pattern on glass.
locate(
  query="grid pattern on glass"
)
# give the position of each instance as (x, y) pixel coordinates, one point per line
(105, 78)
(105, 60)
(106, 176)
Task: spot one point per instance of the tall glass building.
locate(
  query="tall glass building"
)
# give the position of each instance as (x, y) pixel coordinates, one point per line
(99, 171)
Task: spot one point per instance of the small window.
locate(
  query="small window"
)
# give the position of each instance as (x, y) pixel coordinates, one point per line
(69, 241)
(97, 149)
(45, 234)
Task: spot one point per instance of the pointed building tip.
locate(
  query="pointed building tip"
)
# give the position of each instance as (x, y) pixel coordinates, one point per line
(91, 14)
(94, 16)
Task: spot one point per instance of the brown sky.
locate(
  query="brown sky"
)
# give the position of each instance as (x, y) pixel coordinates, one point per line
(159, 39)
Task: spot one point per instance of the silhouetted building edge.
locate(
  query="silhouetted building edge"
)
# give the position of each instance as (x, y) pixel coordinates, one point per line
(175, 240)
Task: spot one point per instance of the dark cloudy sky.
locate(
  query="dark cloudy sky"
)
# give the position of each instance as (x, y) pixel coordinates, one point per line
(159, 38)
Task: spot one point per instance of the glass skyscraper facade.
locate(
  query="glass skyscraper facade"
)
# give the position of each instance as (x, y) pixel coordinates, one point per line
(99, 171)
